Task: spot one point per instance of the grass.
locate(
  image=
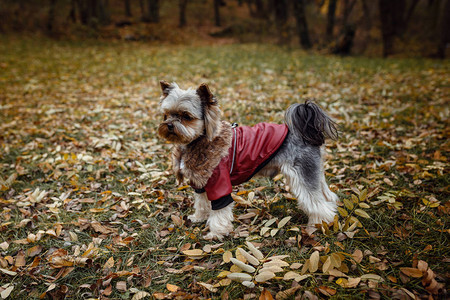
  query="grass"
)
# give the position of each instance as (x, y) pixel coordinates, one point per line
(80, 118)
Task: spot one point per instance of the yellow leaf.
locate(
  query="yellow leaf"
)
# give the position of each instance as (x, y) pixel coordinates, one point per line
(193, 252)
(412, 272)
(362, 213)
(348, 204)
(172, 288)
(223, 274)
(342, 212)
(226, 256)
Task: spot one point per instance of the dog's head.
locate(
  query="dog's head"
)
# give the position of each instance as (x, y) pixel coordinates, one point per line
(188, 114)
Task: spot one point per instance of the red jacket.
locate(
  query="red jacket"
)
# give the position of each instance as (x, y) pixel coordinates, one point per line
(252, 148)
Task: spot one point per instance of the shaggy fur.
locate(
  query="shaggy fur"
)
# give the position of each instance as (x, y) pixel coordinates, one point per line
(202, 156)
(192, 122)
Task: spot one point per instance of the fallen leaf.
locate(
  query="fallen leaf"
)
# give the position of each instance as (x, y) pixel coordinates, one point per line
(172, 288)
(411, 272)
(265, 295)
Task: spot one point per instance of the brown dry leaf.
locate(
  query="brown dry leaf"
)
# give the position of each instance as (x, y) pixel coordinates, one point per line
(159, 296)
(176, 220)
(327, 291)
(121, 286)
(287, 294)
(411, 272)
(20, 259)
(208, 286)
(140, 295)
(314, 262)
(33, 251)
(172, 288)
(357, 255)
(107, 291)
(265, 295)
(102, 229)
(109, 263)
(7, 291)
(348, 282)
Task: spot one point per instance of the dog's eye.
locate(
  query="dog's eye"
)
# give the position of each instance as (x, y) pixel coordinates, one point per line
(165, 117)
(186, 117)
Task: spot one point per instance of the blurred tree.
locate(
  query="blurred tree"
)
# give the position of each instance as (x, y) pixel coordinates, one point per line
(445, 30)
(72, 11)
(127, 8)
(348, 7)
(302, 25)
(153, 11)
(331, 12)
(217, 4)
(281, 18)
(94, 12)
(51, 16)
(182, 7)
(142, 7)
(394, 18)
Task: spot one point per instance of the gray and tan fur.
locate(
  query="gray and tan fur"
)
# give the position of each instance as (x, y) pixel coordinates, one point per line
(192, 122)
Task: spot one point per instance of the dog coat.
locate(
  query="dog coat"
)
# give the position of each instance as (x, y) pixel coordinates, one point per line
(251, 149)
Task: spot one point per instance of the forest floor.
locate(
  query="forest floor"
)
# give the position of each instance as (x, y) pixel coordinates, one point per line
(91, 209)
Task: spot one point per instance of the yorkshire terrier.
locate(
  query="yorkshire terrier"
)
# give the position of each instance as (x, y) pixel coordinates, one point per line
(214, 155)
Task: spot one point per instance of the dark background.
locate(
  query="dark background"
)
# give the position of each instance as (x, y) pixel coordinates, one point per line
(344, 27)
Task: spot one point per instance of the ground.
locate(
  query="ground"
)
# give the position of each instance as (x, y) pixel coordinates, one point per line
(90, 208)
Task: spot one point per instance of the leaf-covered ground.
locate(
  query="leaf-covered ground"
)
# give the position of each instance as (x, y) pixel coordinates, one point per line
(90, 209)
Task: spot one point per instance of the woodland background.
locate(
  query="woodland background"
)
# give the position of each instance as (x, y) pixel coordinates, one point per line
(382, 27)
(89, 206)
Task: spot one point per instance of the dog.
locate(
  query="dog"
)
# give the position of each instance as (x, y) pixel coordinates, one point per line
(214, 155)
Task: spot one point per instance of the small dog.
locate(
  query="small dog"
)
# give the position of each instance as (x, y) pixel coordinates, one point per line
(214, 155)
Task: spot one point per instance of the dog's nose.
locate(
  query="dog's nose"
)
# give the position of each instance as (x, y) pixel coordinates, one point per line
(170, 127)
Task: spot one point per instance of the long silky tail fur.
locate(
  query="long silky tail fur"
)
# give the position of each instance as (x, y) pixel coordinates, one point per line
(310, 122)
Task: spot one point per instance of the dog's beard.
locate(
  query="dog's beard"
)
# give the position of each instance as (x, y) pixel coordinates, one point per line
(181, 133)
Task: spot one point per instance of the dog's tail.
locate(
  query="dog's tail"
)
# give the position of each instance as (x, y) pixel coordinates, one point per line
(310, 122)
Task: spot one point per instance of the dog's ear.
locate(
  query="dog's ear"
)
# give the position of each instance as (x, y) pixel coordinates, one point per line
(205, 95)
(165, 87)
(211, 114)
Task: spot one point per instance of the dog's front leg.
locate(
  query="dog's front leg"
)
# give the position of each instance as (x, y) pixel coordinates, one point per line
(202, 208)
(220, 222)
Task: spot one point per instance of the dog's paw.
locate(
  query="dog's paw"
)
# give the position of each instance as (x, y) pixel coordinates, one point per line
(195, 218)
(213, 236)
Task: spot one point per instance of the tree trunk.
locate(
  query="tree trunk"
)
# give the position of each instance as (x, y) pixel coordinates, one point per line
(348, 7)
(302, 25)
(73, 11)
(281, 17)
(387, 26)
(127, 8)
(330, 19)
(142, 7)
(182, 5)
(153, 11)
(217, 12)
(51, 16)
(445, 32)
(83, 11)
